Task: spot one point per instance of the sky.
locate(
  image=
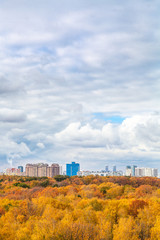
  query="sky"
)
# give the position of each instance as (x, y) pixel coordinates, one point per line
(80, 81)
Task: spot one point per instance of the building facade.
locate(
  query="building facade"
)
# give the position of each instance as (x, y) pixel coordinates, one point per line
(100, 173)
(114, 168)
(21, 168)
(133, 170)
(42, 170)
(146, 172)
(106, 169)
(72, 169)
(128, 171)
(141, 171)
(13, 171)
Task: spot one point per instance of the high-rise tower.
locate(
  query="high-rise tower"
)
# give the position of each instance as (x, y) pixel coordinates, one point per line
(72, 169)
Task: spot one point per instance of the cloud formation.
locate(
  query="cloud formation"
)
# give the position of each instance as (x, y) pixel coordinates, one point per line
(12, 115)
(63, 62)
(134, 133)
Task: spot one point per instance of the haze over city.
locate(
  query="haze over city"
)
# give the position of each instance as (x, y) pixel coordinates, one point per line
(80, 81)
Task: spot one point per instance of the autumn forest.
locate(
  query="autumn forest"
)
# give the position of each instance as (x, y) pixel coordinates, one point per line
(79, 208)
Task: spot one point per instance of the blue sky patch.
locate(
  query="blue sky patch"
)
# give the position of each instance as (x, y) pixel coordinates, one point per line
(104, 117)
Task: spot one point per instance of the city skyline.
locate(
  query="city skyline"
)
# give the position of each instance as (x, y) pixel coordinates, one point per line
(73, 168)
(79, 81)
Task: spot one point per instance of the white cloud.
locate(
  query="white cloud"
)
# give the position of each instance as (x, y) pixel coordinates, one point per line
(138, 133)
(40, 145)
(61, 62)
(12, 151)
(78, 135)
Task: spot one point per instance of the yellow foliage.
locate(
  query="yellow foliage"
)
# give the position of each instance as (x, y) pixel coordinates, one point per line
(155, 231)
(89, 208)
(126, 229)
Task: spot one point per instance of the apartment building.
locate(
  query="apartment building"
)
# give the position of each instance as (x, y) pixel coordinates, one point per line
(146, 172)
(42, 170)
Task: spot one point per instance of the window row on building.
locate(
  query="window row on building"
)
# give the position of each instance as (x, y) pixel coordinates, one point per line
(72, 169)
(141, 171)
(42, 170)
(100, 173)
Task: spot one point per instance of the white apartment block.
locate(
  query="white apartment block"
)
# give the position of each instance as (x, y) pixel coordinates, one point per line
(100, 173)
(128, 171)
(146, 172)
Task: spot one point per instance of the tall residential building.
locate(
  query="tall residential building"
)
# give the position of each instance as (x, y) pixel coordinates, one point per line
(155, 172)
(114, 168)
(53, 170)
(42, 170)
(72, 169)
(128, 171)
(106, 168)
(146, 172)
(133, 170)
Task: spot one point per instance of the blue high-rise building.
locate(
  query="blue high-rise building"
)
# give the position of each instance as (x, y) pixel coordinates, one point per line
(72, 169)
(21, 168)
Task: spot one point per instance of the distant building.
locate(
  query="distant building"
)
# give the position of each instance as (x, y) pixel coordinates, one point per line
(60, 170)
(100, 173)
(128, 171)
(133, 170)
(42, 170)
(72, 169)
(116, 173)
(146, 172)
(54, 170)
(155, 172)
(21, 168)
(114, 168)
(105, 172)
(106, 168)
(13, 171)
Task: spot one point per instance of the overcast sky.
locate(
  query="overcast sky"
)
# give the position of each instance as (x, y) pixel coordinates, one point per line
(80, 81)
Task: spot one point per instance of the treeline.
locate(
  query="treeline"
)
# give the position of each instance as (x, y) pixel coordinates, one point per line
(66, 180)
(79, 208)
